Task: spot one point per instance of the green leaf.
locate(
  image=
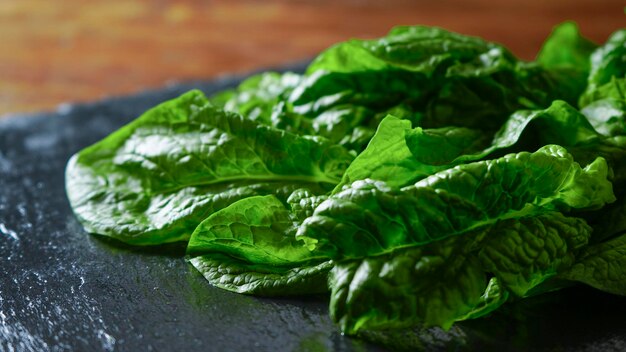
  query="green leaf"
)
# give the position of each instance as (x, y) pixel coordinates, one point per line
(608, 116)
(430, 286)
(446, 281)
(458, 80)
(256, 229)
(400, 165)
(400, 155)
(608, 61)
(602, 266)
(430, 76)
(371, 218)
(256, 97)
(154, 180)
(523, 253)
(264, 280)
(607, 78)
(493, 297)
(250, 247)
(614, 90)
(410, 48)
(566, 47)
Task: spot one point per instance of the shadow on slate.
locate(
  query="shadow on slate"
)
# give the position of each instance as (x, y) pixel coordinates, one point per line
(62, 290)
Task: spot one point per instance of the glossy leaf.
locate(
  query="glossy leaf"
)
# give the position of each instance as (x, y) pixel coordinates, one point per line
(256, 229)
(371, 218)
(156, 179)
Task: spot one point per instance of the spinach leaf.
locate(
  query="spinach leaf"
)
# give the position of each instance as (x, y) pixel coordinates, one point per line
(400, 155)
(429, 76)
(397, 172)
(371, 218)
(250, 247)
(608, 70)
(602, 266)
(241, 276)
(430, 286)
(442, 282)
(156, 179)
(567, 47)
(257, 229)
(257, 96)
(608, 116)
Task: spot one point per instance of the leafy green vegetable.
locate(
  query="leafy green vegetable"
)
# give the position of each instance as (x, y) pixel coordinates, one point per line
(567, 47)
(400, 155)
(371, 218)
(415, 73)
(424, 178)
(442, 282)
(607, 78)
(432, 286)
(265, 280)
(258, 229)
(250, 247)
(156, 179)
(602, 266)
(607, 116)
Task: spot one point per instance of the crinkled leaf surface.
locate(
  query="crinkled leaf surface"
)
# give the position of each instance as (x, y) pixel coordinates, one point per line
(431, 285)
(420, 229)
(430, 76)
(400, 155)
(265, 280)
(602, 266)
(449, 280)
(250, 247)
(257, 229)
(608, 70)
(371, 218)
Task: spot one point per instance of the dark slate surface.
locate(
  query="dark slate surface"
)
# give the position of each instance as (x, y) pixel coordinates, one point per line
(64, 290)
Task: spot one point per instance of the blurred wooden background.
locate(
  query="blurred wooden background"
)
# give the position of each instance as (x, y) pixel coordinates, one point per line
(73, 50)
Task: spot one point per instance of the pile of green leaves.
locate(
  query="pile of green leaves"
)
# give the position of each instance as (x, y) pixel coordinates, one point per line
(425, 177)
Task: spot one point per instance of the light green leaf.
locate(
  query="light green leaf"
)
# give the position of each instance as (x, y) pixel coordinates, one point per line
(371, 218)
(155, 179)
(566, 47)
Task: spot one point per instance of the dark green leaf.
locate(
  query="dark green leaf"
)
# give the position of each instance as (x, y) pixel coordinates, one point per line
(243, 277)
(446, 281)
(607, 78)
(602, 266)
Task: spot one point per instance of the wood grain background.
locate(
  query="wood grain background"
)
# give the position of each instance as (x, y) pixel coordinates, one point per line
(72, 50)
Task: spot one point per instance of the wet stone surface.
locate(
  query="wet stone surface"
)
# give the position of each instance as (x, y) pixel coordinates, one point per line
(62, 289)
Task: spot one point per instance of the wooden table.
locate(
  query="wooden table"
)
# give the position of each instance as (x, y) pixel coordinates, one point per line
(73, 50)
